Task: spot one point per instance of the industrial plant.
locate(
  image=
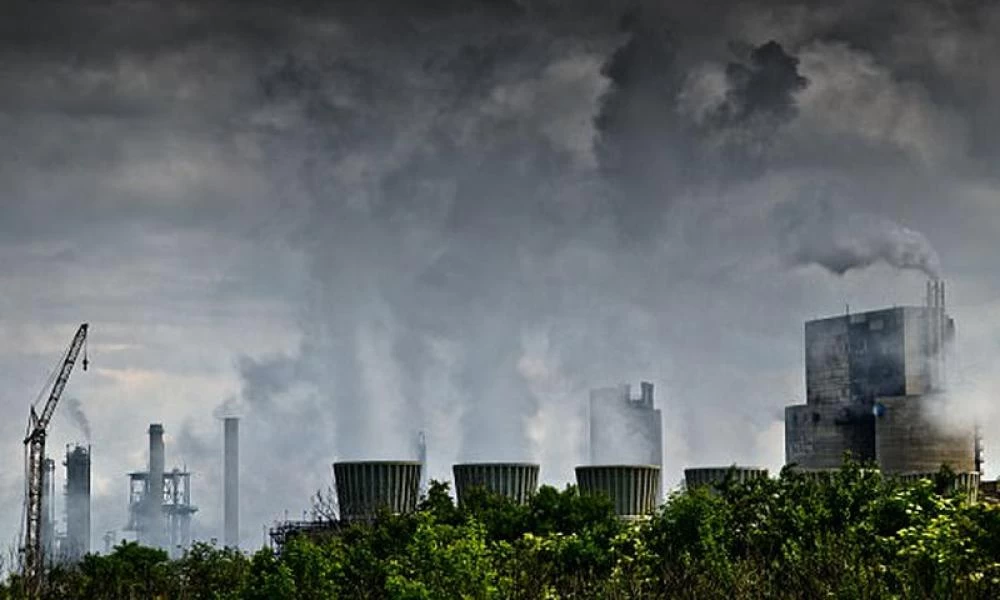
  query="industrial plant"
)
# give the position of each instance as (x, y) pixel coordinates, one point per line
(159, 501)
(876, 387)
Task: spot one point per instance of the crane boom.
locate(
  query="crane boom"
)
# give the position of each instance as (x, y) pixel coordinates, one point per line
(35, 442)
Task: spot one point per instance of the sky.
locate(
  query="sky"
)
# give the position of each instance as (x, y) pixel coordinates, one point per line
(352, 221)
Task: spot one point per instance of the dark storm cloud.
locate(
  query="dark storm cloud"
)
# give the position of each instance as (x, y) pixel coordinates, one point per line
(475, 211)
(766, 86)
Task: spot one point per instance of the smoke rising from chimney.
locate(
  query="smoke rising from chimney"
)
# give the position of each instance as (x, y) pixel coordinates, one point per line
(840, 239)
(73, 408)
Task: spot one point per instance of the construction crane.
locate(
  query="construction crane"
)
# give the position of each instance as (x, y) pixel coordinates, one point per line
(34, 443)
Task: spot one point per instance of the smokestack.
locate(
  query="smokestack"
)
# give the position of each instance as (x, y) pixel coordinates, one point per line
(77, 502)
(231, 476)
(154, 526)
(422, 458)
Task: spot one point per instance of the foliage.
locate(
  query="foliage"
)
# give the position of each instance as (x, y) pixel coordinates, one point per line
(852, 534)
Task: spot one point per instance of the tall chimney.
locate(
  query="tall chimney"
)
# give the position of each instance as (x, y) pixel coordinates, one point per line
(231, 476)
(77, 502)
(154, 525)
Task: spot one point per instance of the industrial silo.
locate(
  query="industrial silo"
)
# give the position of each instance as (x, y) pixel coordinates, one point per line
(517, 481)
(715, 476)
(634, 489)
(366, 487)
(909, 439)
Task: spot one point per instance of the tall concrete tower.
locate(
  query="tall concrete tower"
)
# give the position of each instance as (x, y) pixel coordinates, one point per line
(77, 502)
(231, 485)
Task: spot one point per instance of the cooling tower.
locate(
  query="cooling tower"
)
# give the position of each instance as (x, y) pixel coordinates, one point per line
(714, 476)
(77, 503)
(365, 487)
(634, 489)
(231, 482)
(517, 481)
(909, 439)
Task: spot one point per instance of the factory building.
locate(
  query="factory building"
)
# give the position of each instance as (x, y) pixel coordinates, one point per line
(77, 542)
(625, 430)
(159, 503)
(873, 384)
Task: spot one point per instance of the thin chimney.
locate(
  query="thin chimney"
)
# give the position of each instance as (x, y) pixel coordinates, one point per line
(231, 475)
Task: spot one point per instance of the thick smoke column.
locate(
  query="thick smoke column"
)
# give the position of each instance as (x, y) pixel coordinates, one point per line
(73, 408)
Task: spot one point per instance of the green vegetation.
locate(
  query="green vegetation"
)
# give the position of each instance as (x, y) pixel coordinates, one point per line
(853, 535)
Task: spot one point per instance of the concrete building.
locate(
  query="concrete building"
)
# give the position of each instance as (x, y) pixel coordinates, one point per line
(625, 430)
(77, 464)
(909, 440)
(872, 381)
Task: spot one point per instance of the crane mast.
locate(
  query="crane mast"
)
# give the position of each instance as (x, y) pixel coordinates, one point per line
(35, 447)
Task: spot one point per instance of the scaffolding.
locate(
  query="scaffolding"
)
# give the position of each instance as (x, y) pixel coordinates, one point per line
(173, 519)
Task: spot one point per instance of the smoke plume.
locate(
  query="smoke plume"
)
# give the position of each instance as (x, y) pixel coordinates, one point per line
(840, 240)
(73, 408)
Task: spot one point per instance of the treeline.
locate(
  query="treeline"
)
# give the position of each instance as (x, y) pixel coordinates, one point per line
(854, 535)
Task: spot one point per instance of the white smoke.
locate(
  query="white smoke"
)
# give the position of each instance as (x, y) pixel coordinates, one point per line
(840, 239)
